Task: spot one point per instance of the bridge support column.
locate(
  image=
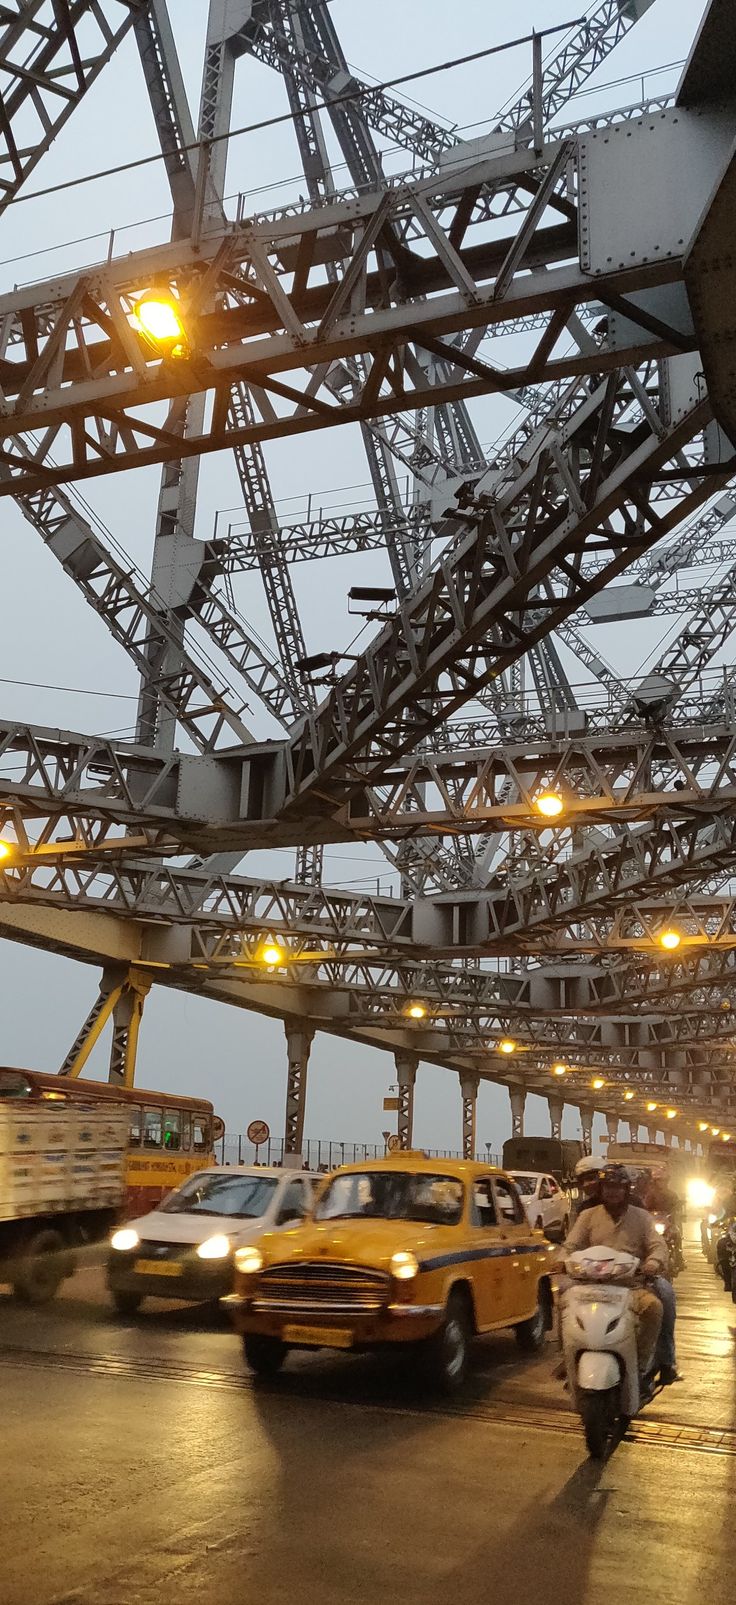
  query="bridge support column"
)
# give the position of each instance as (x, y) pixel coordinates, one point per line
(651, 1133)
(469, 1090)
(555, 1106)
(406, 1075)
(299, 1038)
(586, 1122)
(633, 1131)
(612, 1124)
(126, 1024)
(517, 1098)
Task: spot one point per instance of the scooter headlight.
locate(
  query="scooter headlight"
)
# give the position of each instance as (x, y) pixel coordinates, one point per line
(660, 1227)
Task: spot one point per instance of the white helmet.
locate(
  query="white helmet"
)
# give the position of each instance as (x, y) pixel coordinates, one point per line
(589, 1165)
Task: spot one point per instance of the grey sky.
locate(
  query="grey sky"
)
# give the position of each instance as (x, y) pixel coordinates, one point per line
(50, 636)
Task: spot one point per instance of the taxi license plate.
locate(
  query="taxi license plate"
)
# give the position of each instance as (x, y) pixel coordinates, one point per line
(323, 1337)
(154, 1267)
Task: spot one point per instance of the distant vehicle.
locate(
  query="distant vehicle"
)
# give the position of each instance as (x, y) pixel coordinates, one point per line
(168, 1136)
(547, 1206)
(185, 1248)
(544, 1155)
(62, 1185)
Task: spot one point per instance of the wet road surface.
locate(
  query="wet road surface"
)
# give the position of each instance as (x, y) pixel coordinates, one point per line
(142, 1464)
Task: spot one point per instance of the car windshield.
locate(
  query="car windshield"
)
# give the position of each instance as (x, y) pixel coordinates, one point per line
(215, 1193)
(392, 1195)
(525, 1184)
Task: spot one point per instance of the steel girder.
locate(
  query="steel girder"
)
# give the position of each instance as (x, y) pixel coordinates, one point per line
(77, 370)
(50, 55)
(457, 787)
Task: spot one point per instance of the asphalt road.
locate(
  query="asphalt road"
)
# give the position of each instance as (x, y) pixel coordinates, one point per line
(143, 1467)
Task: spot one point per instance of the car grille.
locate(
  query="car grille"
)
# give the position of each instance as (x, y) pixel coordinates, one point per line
(319, 1286)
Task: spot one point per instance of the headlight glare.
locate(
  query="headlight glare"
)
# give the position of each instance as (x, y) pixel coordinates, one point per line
(125, 1239)
(217, 1247)
(249, 1260)
(699, 1193)
(404, 1266)
(660, 1227)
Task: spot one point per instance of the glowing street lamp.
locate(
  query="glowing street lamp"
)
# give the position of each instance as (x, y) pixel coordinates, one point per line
(272, 955)
(416, 1011)
(628, 1097)
(597, 1083)
(559, 1069)
(6, 850)
(702, 1125)
(157, 316)
(651, 1108)
(507, 1046)
(549, 804)
(671, 1114)
(669, 940)
(715, 1131)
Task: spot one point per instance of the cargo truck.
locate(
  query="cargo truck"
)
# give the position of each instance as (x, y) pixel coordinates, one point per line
(62, 1185)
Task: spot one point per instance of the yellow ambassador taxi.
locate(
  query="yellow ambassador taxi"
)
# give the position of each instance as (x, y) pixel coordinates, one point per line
(403, 1250)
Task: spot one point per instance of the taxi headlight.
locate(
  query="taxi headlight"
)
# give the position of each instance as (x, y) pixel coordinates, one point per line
(125, 1239)
(217, 1247)
(660, 1227)
(249, 1260)
(404, 1266)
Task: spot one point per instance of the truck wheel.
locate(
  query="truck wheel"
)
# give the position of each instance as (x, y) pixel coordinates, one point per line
(127, 1303)
(599, 1412)
(42, 1267)
(265, 1355)
(445, 1354)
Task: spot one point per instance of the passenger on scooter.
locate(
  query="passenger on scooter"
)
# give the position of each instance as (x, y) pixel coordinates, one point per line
(588, 1177)
(617, 1223)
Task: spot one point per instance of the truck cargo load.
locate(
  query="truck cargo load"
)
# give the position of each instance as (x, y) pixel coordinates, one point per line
(62, 1184)
(548, 1155)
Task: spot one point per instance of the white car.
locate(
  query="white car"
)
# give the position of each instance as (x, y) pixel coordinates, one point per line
(547, 1206)
(184, 1248)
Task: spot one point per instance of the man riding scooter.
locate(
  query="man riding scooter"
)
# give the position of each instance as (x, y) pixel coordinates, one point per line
(617, 1223)
(588, 1171)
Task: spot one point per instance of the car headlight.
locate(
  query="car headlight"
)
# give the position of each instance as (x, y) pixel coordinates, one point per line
(660, 1227)
(217, 1247)
(404, 1266)
(248, 1260)
(125, 1239)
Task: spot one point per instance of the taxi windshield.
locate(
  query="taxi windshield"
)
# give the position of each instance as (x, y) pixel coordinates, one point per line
(392, 1195)
(242, 1197)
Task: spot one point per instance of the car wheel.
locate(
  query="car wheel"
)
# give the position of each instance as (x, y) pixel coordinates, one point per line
(445, 1354)
(42, 1267)
(539, 1224)
(530, 1334)
(127, 1303)
(565, 1228)
(264, 1355)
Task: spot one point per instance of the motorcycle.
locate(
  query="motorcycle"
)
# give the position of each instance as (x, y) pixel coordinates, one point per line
(726, 1255)
(598, 1331)
(667, 1227)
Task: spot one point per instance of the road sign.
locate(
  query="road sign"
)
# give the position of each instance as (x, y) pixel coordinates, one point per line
(392, 1103)
(393, 1143)
(258, 1132)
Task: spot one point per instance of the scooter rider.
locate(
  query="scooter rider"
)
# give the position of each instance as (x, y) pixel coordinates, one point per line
(617, 1223)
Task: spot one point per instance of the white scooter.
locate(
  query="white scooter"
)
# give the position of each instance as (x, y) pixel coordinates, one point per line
(599, 1343)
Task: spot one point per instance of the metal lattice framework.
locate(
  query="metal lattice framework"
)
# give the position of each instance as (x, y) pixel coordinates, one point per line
(389, 301)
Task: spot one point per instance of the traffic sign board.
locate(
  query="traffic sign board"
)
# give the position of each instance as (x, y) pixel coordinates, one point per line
(394, 1142)
(258, 1132)
(391, 1103)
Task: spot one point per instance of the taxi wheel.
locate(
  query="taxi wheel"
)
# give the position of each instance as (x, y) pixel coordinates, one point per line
(445, 1356)
(530, 1335)
(127, 1303)
(264, 1355)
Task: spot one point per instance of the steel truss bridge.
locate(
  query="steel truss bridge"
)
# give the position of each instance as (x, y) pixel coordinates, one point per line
(582, 269)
